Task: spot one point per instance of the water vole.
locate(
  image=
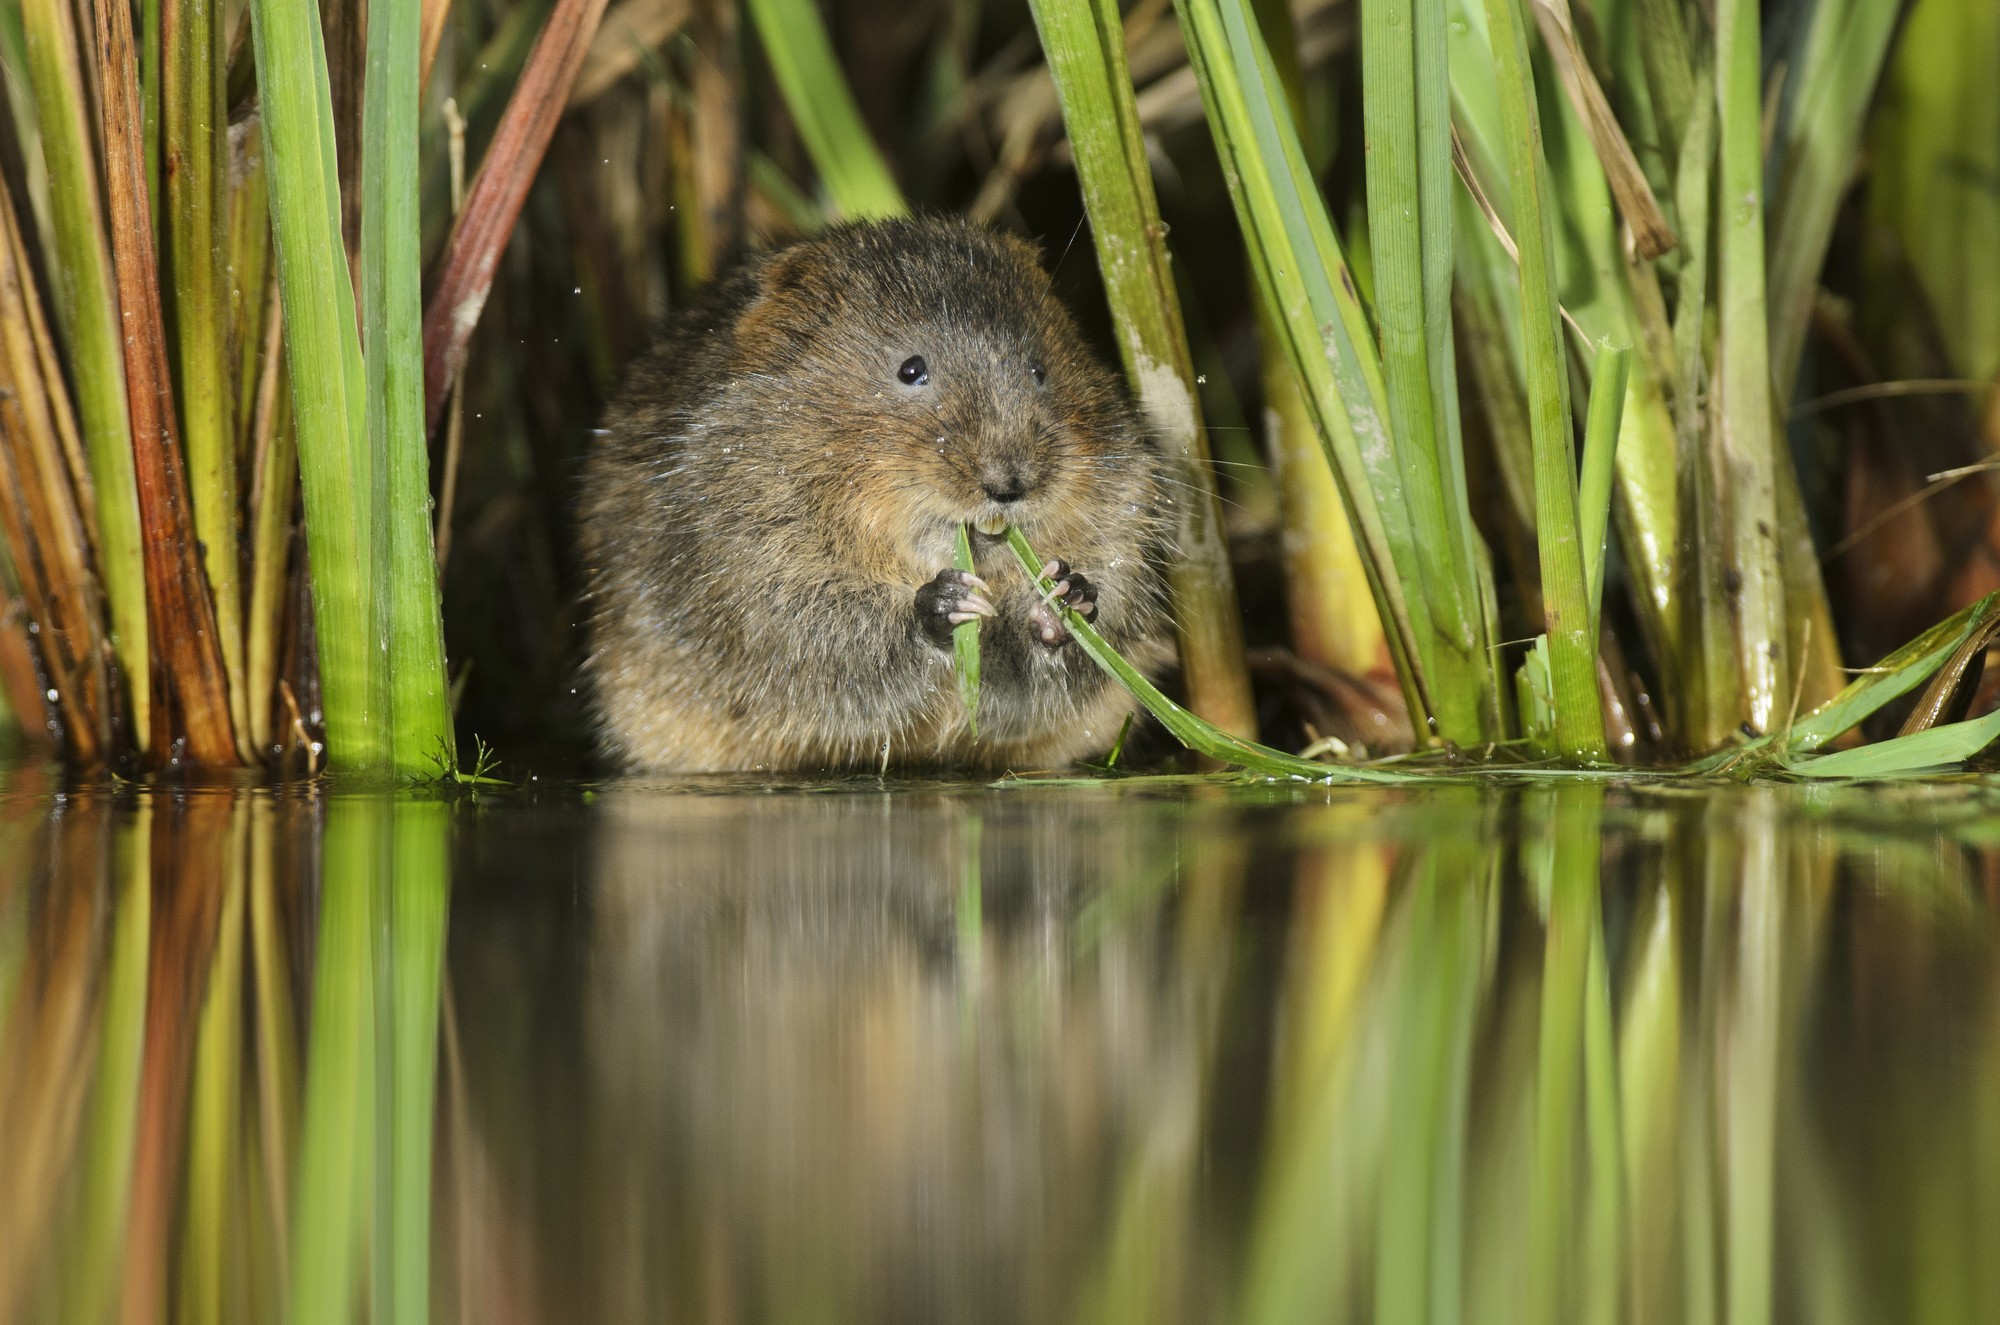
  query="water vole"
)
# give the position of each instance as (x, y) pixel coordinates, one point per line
(768, 515)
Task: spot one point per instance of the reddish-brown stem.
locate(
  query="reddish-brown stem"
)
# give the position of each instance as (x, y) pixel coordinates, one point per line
(498, 191)
(177, 595)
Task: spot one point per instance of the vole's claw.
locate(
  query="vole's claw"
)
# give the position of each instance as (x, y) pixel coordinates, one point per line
(951, 598)
(1069, 589)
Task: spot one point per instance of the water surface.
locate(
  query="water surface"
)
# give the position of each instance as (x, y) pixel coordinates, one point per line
(1153, 1052)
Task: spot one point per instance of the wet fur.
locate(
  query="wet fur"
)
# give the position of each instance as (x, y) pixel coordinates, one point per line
(767, 498)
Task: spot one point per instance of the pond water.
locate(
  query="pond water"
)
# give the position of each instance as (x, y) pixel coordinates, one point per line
(1149, 1052)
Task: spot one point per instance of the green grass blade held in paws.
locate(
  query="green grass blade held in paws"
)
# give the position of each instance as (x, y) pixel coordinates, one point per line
(1201, 737)
(965, 641)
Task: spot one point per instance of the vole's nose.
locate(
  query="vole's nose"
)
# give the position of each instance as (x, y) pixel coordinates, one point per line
(1004, 486)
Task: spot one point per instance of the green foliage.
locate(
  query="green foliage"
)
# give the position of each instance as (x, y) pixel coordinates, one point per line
(857, 179)
(965, 640)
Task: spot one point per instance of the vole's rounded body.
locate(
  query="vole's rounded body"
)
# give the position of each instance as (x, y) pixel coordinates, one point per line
(769, 508)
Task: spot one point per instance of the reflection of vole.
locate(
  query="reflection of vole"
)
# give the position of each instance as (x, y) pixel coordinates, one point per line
(768, 518)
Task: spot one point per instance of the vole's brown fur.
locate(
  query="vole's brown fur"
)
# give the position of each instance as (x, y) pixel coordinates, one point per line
(767, 512)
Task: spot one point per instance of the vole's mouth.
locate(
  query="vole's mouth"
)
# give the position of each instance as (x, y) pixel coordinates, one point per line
(992, 525)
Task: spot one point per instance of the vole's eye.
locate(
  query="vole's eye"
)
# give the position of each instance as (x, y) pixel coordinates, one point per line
(1041, 374)
(914, 372)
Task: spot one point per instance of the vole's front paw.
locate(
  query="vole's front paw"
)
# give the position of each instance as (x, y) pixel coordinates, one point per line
(949, 599)
(1072, 591)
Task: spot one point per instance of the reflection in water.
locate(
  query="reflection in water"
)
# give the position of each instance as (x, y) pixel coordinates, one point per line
(934, 1053)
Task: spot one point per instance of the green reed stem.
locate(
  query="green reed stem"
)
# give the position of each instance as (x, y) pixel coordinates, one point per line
(196, 142)
(1304, 280)
(1709, 706)
(1085, 48)
(1333, 618)
(274, 498)
(87, 311)
(1743, 376)
(1934, 156)
(857, 178)
(1579, 722)
(1600, 450)
(1406, 109)
(1813, 160)
(405, 560)
(323, 351)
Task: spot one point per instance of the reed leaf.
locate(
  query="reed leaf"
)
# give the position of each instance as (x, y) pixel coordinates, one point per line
(405, 569)
(1934, 153)
(194, 123)
(42, 522)
(1333, 618)
(1303, 278)
(1085, 48)
(1600, 449)
(190, 654)
(1812, 160)
(1579, 722)
(858, 181)
(1651, 235)
(273, 498)
(1894, 676)
(1201, 737)
(1933, 750)
(323, 356)
(1405, 106)
(498, 191)
(1746, 439)
(87, 312)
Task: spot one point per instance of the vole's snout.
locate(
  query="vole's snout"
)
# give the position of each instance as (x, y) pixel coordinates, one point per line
(1005, 488)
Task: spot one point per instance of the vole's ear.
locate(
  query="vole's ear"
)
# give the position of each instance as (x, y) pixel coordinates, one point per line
(782, 313)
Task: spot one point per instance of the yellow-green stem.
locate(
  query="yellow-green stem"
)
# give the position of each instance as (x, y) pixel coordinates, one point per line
(87, 312)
